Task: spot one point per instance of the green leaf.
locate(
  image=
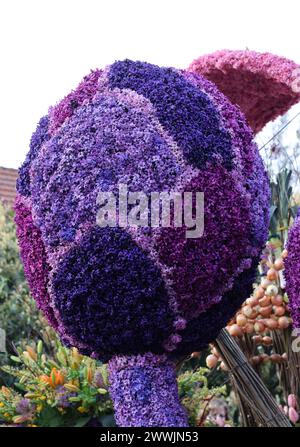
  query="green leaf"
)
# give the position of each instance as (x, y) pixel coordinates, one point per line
(273, 209)
(294, 210)
(75, 399)
(16, 359)
(20, 386)
(102, 391)
(50, 417)
(108, 420)
(81, 422)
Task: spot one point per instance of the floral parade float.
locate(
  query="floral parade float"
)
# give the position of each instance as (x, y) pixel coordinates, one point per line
(139, 298)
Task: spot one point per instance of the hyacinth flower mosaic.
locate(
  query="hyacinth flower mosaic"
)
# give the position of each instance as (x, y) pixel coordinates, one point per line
(141, 297)
(292, 273)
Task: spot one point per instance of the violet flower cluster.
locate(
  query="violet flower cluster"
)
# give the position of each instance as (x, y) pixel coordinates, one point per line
(291, 271)
(143, 387)
(124, 291)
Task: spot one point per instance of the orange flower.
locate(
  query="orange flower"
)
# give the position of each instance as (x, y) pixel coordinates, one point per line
(59, 377)
(45, 378)
(55, 378)
(89, 374)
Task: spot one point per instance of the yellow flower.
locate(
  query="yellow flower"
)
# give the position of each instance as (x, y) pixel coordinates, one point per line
(71, 387)
(28, 357)
(5, 391)
(31, 353)
(19, 419)
(62, 357)
(76, 357)
(82, 410)
(31, 395)
(1, 404)
(89, 374)
(7, 415)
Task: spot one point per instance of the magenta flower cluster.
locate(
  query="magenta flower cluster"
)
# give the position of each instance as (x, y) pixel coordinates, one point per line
(262, 84)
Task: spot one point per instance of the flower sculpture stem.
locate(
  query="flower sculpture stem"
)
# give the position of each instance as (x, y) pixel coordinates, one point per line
(144, 391)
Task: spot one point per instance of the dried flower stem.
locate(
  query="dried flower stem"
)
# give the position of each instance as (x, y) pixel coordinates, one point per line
(250, 387)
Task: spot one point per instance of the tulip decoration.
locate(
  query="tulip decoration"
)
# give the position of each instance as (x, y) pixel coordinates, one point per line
(141, 297)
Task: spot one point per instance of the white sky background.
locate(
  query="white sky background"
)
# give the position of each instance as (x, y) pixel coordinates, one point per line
(47, 46)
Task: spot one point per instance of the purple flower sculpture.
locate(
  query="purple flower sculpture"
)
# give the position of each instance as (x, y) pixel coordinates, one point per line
(139, 297)
(292, 272)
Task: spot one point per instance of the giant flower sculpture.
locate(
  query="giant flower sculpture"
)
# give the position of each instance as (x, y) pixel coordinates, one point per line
(141, 297)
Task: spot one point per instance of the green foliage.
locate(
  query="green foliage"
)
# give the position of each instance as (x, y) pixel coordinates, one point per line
(11, 271)
(19, 317)
(283, 207)
(63, 388)
(195, 392)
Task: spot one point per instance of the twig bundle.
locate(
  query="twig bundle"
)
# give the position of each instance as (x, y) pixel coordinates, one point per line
(249, 385)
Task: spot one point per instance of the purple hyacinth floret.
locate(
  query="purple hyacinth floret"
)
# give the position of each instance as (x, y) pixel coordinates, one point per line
(291, 272)
(144, 392)
(40, 136)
